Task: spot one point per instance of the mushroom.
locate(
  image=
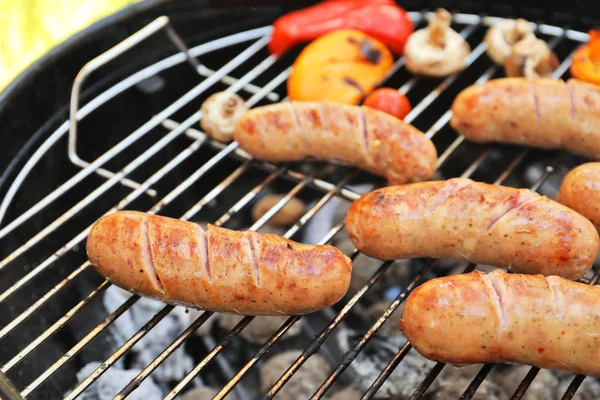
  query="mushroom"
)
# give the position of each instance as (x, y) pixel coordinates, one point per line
(501, 38)
(531, 58)
(288, 214)
(437, 50)
(220, 113)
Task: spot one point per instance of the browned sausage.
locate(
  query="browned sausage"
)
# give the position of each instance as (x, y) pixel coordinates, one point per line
(580, 191)
(548, 322)
(358, 136)
(474, 221)
(218, 270)
(543, 113)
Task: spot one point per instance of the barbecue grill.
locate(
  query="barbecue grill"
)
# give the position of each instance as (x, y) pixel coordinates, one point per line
(130, 139)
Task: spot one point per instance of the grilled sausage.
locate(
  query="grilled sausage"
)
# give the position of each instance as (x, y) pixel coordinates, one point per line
(544, 113)
(548, 322)
(359, 136)
(580, 191)
(474, 221)
(218, 270)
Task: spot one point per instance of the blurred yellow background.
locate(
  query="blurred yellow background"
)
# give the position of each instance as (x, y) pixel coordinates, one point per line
(29, 28)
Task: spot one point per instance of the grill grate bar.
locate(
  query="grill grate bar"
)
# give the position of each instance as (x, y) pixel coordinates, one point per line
(435, 93)
(55, 327)
(214, 352)
(136, 193)
(119, 353)
(406, 348)
(226, 182)
(259, 223)
(77, 348)
(476, 382)
(387, 371)
(131, 386)
(353, 352)
(154, 122)
(438, 367)
(302, 180)
(295, 176)
(129, 168)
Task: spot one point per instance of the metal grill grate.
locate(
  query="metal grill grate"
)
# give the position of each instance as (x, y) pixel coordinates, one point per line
(320, 180)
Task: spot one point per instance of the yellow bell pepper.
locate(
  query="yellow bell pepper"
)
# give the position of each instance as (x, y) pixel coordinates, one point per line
(341, 66)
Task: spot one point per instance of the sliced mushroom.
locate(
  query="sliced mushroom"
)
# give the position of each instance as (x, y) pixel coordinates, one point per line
(501, 38)
(531, 58)
(220, 113)
(437, 50)
(288, 214)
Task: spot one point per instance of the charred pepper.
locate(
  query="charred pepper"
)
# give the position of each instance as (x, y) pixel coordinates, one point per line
(586, 60)
(342, 66)
(382, 19)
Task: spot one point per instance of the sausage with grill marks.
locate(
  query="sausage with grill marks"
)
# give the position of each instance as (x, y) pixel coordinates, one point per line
(547, 322)
(544, 113)
(218, 270)
(580, 191)
(355, 135)
(476, 222)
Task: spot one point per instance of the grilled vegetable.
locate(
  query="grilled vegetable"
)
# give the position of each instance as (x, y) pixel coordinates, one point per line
(501, 38)
(220, 113)
(382, 19)
(531, 58)
(436, 50)
(586, 60)
(341, 66)
(390, 101)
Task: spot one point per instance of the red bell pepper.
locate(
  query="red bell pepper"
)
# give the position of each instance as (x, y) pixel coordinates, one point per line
(382, 19)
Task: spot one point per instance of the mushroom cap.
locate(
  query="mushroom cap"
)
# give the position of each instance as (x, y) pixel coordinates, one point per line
(220, 113)
(289, 213)
(424, 58)
(498, 47)
(531, 58)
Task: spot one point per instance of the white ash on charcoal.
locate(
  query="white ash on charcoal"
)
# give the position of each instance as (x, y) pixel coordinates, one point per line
(114, 380)
(369, 363)
(303, 383)
(454, 389)
(589, 389)
(345, 394)
(161, 336)
(510, 376)
(261, 328)
(204, 393)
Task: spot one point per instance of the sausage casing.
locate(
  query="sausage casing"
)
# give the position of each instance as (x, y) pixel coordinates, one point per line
(580, 191)
(218, 270)
(548, 322)
(544, 113)
(355, 135)
(474, 221)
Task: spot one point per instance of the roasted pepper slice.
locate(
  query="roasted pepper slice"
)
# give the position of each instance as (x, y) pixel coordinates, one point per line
(342, 66)
(586, 60)
(382, 19)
